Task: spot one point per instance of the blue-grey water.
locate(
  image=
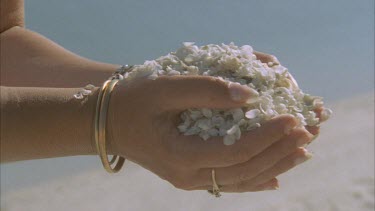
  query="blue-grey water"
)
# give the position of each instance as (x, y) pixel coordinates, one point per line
(328, 45)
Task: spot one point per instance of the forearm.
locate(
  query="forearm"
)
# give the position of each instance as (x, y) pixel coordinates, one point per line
(31, 60)
(45, 122)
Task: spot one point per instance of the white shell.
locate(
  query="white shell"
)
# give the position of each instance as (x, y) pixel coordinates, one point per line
(252, 114)
(86, 92)
(78, 96)
(89, 86)
(229, 139)
(326, 114)
(233, 130)
(237, 114)
(207, 112)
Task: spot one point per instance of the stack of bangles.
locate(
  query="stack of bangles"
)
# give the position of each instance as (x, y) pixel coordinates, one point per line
(101, 119)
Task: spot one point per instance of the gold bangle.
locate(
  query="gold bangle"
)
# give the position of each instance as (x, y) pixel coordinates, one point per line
(100, 125)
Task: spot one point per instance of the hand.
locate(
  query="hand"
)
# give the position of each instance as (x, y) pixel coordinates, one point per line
(143, 119)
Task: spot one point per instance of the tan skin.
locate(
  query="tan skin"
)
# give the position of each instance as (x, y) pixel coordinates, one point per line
(40, 122)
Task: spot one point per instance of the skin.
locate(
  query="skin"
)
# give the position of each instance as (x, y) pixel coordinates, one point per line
(142, 120)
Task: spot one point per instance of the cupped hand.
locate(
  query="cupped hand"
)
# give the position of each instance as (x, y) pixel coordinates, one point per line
(143, 119)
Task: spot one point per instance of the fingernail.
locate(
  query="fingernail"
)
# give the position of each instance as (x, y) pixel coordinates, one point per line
(306, 156)
(240, 92)
(304, 140)
(252, 100)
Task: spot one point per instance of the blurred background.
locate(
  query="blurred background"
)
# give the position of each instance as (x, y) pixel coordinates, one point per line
(328, 45)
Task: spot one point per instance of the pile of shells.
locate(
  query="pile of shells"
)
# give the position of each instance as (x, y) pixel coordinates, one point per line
(278, 92)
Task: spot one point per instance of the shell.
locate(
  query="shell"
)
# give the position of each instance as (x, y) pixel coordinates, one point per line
(252, 114)
(78, 96)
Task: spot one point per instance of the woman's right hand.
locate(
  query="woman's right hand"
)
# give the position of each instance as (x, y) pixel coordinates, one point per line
(143, 119)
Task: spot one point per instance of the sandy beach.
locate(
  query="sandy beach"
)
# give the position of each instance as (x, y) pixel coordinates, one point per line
(340, 177)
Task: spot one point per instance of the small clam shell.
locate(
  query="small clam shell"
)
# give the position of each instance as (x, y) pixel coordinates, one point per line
(78, 96)
(174, 72)
(300, 118)
(86, 92)
(204, 124)
(204, 135)
(206, 112)
(89, 87)
(252, 114)
(293, 82)
(182, 128)
(195, 114)
(192, 131)
(229, 139)
(213, 132)
(253, 126)
(325, 114)
(217, 120)
(237, 114)
(233, 130)
(283, 90)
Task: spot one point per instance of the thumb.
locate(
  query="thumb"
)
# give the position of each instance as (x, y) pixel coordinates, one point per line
(266, 58)
(184, 92)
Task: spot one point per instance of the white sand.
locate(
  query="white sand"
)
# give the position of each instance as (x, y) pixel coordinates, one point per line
(339, 177)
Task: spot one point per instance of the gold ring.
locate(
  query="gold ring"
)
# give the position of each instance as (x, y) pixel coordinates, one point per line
(215, 188)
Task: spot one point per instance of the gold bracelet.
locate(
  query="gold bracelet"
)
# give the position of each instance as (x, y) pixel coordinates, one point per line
(100, 126)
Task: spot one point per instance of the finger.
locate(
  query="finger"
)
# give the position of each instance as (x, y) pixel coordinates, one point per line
(316, 129)
(266, 58)
(318, 112)
(313, 129)
(272, 184)
(213, 153)
(183, 92)
(263, 161)
(299, 156)
(322, 113)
